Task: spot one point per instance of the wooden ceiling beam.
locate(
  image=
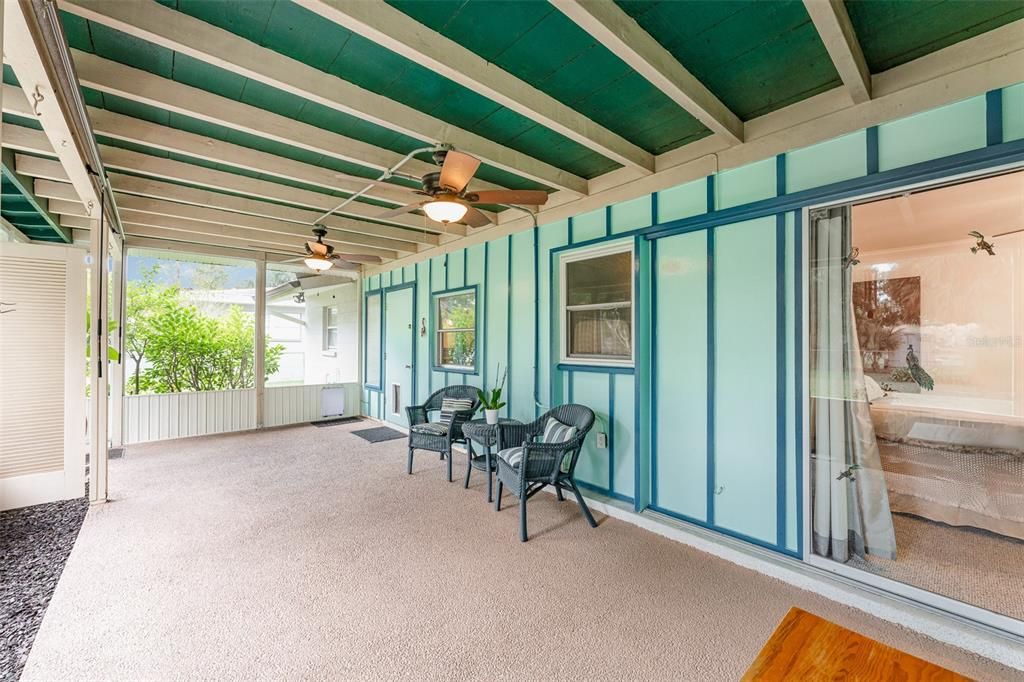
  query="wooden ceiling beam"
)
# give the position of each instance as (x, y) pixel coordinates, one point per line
(403, 35)
(155, 23)
(139, 131)
(836, 31)
(620, 34)
(24, 139)
(282, 242)
(294, 234)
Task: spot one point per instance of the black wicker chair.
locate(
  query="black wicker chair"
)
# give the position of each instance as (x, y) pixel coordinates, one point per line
(543, 464)
(427, 435)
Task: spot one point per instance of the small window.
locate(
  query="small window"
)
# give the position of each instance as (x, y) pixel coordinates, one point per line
(455, 324)
(331, 328)
(597, 306)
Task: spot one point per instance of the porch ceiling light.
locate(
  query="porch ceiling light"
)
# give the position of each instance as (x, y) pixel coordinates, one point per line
(445, 211)
(317, 263)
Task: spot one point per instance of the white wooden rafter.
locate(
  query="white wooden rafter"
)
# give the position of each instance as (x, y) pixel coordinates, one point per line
(832, 22)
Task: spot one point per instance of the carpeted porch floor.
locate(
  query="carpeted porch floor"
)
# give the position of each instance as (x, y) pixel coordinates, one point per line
(306, 552)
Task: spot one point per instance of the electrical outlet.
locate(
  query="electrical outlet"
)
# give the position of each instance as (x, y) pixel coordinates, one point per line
(602, 439)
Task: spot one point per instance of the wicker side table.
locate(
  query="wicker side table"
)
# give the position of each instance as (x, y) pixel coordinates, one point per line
(479, 431)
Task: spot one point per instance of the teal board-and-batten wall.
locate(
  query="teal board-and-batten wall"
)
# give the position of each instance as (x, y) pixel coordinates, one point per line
(705, 427)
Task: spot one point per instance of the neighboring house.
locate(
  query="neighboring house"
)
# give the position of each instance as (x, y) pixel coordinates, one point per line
(314, 318)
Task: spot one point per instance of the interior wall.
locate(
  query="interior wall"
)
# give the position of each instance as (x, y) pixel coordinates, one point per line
(519, 324)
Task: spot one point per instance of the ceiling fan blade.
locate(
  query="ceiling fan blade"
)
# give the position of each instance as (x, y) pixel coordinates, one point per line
(475, 218)
(458, 170)
(357, 258)
(399, 210)
(529, 197)
(317, 248)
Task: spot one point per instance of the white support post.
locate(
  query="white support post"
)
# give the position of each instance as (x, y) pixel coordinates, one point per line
(99, 367)
(117, 313)
(261, 339)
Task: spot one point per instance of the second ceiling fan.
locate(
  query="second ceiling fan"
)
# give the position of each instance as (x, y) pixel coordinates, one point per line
(447, 199)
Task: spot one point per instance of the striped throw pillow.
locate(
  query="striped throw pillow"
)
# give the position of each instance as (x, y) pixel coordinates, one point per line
(451, 405)
(557, 432)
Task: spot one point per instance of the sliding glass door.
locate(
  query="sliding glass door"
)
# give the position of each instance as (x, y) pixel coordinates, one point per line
(916, 410)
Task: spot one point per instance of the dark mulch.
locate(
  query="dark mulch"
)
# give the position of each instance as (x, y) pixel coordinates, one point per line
(378, 434)
(34, 545)
(334, 422)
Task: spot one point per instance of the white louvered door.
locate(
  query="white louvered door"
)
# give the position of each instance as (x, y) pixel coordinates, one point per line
(42, 374)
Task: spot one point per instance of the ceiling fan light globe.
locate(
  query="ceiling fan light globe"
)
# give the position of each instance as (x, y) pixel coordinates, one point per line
(445, 211)
(318, 263)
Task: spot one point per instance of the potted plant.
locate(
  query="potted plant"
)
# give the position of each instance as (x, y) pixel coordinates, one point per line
(491, 400)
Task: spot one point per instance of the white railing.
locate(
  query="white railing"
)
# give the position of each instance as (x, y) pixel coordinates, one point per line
(180, 415)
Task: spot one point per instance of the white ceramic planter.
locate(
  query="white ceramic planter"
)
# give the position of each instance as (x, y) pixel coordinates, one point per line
(491, 416)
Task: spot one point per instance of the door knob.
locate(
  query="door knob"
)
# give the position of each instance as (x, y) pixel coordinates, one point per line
(408, 366)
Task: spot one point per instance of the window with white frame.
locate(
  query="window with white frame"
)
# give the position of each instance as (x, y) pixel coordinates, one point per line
(331, 327)
(597, 305)
(455, 329)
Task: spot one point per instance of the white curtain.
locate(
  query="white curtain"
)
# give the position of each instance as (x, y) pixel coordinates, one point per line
(849, 499)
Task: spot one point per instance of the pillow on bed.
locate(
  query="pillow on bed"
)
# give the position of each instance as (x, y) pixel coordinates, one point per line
(874, 390)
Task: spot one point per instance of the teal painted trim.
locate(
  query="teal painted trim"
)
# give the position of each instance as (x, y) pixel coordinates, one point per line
(711, 482)
(434, 329)
(592, 242)
(536, 322)
(430, 290)
(508, 326)
(481, 348)
(993, 117)
(653, 360)
(569, 387)
(936, 169)
(872, 142)
(605, 491)
(711, 193)
(724, 531)
(597, 369)
(611, 432)
(780, 175)
(366, 375)
(781, 394)
(571, 239)
(654, 208)
(798, 372)
(446, 256)
(608, 221)
(637, 395)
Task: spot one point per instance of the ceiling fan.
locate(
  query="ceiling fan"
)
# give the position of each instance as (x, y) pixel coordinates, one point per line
(320, 256)
(449, 202)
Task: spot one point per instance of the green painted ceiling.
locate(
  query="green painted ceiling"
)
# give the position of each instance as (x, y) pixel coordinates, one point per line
(893, 32)
(757, 56)
(21, 212)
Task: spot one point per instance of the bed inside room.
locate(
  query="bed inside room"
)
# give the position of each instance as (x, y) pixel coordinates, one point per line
(935, 282)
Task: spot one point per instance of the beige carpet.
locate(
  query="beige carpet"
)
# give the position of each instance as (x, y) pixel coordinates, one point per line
(971, 565)
(309, 553)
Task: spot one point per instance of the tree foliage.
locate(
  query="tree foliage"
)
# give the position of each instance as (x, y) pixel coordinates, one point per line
(173, 346)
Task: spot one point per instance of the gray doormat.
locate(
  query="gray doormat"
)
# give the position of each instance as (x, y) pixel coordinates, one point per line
(378, 434)
(334, 422)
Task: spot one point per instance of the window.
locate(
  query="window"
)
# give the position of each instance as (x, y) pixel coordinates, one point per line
(331, 327)
(597, 306)
(455, 325)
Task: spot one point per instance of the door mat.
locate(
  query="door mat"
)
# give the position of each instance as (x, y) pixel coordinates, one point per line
(378, 434)
(334, 422)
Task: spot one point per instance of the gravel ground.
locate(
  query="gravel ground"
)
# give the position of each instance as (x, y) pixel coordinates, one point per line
(34, 545)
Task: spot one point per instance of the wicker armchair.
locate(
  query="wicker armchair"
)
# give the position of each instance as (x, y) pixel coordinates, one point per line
(433, 436)
(543, 464)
